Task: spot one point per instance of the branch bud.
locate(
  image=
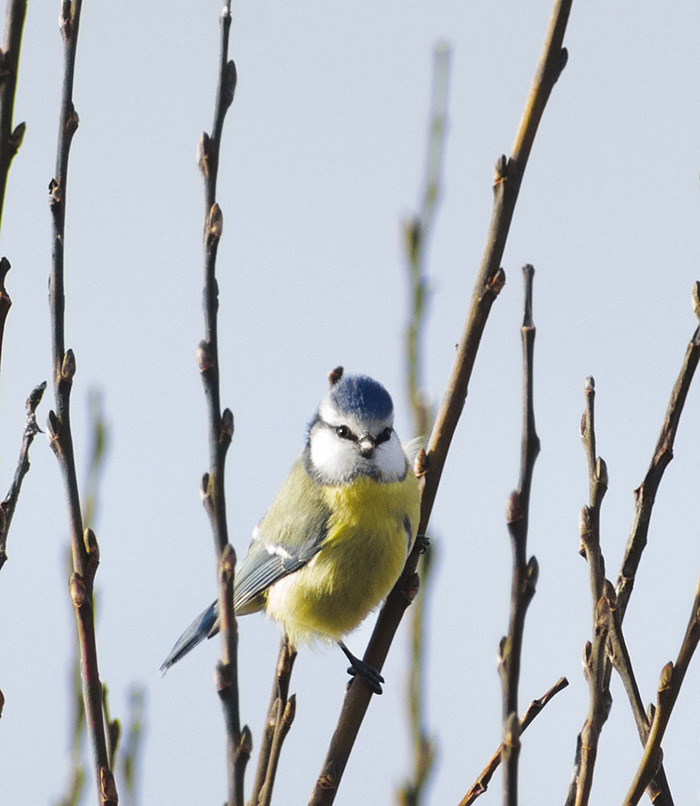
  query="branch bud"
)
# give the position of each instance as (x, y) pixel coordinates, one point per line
(78, 591)
(68, 366)
(215, 227)
(246, 743)
(666, 678)
(230, 81)
(204, 357)
(228, 563)
(35, 398)
(420, 463)
(17, 136)
(602, 472)
(500, 169)
(203, 153)
(696, 298)
(290, 710)
(227, 425)
(5, 266)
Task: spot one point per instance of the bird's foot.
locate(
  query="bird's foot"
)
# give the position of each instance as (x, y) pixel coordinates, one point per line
(360, 668)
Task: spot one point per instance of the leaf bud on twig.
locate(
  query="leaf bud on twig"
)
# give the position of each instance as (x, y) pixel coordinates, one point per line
(215, 226)
(228, 562)
(78, 591)
(68, 366)
(230, 81)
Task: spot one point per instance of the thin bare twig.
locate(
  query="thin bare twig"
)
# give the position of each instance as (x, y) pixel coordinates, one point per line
(667, 694)
(132, 745)
(534, 709)
(220, 424)
(277, 724)
(594, 658)
(417, 234)
(10, 136)
(95, 464)
(5, 301)
(7, 507)
(84, 548)
(645, 494)
(658, 790)
(524, 571)
(489, 281)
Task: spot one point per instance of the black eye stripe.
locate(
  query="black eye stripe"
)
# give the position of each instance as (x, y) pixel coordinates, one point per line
(345, 433)
(385, 436)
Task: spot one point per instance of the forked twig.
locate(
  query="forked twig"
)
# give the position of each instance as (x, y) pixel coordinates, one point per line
(280, 715)
(667, 694)
(489, 281)
(220, 425)
(534, 709)
(658, 788)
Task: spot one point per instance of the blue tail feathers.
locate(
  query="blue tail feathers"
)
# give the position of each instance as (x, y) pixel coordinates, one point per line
(204, 626)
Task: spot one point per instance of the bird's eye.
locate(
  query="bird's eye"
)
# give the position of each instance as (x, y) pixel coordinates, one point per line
(385, 436)
(344, 432)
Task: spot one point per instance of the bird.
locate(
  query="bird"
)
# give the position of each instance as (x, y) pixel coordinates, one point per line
(336, 536)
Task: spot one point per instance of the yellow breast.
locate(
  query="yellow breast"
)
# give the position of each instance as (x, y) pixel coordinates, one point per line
(371, 529)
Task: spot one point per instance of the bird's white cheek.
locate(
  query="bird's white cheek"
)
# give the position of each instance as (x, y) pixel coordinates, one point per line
(331, 457)
(390, 459)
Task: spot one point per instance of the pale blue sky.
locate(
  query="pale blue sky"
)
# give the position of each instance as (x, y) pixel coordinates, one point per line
(323, 158)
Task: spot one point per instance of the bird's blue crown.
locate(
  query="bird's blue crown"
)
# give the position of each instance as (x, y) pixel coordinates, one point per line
(360, 393)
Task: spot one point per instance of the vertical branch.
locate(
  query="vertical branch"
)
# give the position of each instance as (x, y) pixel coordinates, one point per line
(602, 596)
(220, 423)
(84, 548)
(489, 281)
(10, 137)
(524, 571)
(417, 234)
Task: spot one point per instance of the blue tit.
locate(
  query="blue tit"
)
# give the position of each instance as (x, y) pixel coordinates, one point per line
(338, 533)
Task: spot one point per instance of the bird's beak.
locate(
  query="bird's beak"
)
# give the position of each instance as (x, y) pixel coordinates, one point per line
(366, 445)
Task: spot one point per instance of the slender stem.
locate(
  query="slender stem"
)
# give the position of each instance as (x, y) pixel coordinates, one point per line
(7, 507)
(601, 595)
(220, 424)
(658, 790)
(534, 709)
(488, 284)
(418, 231)
(524, 571)
(645, 494)
(667, 694)
(84, 548)
(10, 138)
(275, 713)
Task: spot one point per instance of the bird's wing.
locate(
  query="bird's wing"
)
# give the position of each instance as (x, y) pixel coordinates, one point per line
(290, 534)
